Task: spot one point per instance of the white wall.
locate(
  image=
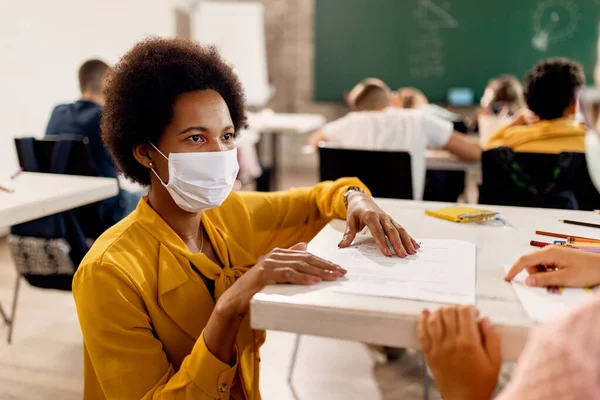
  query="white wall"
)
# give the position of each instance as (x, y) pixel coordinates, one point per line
(42, 44)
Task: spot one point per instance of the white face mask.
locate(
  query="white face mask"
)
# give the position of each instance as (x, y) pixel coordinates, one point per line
(202, 180)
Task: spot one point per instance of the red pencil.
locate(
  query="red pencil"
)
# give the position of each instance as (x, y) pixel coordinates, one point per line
(539, 244)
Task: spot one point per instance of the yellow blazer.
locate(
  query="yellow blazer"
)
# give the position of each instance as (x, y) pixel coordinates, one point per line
(551, 137)
(143, 307)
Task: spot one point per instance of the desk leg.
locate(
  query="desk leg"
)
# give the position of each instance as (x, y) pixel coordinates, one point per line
(10, 321)
(4, 316)
(290, 376)
(275, 170)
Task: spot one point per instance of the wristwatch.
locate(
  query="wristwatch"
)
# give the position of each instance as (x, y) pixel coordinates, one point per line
(352, 189)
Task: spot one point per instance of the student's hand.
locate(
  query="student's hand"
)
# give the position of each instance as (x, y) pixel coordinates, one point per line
(463, 355)
(294, 265)
(558, 266)
(363, 211)
(524, 117)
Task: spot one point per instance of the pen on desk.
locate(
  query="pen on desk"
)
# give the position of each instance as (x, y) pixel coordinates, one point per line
(539, 244)
(5, 189)
(16, 173)
(588, 224)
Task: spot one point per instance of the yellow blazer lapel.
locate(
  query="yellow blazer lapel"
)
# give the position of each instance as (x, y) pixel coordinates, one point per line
(183, 298)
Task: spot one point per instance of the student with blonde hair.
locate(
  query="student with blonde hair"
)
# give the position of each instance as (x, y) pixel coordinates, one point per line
(375, 125)
(502, 99)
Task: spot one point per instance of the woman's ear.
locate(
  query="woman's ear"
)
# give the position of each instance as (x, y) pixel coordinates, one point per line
(141, 152)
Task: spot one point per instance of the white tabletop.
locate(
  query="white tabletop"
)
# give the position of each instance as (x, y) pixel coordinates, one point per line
(287, 123)
(39, 195)
(392, 322)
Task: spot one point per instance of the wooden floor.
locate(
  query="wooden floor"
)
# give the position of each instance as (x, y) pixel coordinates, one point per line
(45, 359)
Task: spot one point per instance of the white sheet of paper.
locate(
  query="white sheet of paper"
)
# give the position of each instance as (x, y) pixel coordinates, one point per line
(443, 271)
(542, 306)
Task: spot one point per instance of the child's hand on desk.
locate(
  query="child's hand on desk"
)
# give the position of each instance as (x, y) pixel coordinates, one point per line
(463, 354)
(564, 267)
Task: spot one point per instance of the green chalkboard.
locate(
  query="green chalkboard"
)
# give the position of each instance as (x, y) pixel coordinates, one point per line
(438, 44)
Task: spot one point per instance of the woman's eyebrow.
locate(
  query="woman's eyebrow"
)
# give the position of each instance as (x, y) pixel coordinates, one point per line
(193, 128)
(228, 127)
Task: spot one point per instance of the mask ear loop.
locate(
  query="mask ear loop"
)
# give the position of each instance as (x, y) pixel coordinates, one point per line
(152, 164)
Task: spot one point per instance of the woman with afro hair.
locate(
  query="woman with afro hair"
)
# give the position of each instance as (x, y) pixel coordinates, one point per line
(163, 296)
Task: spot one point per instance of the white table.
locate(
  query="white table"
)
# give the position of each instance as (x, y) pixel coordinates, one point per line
(392, 322)
(39, 195)
(277, 124)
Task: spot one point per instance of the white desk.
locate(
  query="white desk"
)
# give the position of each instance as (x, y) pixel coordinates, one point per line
(39, 195)
(392, 322)
(277, 124)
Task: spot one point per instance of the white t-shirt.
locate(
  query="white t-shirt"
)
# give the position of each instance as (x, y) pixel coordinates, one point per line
(393, 129)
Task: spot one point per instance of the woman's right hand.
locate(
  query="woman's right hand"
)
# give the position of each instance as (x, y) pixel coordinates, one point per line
(294, 265)
(558, 266)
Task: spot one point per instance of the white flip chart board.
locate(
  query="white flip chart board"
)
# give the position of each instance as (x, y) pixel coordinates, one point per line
(238, 30)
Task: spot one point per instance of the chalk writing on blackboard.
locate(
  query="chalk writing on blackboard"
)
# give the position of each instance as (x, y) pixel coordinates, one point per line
(426, 51)
(554, 21)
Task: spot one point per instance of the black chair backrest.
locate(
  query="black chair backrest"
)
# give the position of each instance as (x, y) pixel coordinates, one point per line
(586, 193)
(535, 180)
(386, 173)
(79, 162)
(37, 155)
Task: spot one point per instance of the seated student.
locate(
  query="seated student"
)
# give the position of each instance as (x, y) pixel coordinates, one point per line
(502, 99)
(444, 186)
(410, 97)
(163, 296)
(376, 125)
(551, 93)
(83, 118)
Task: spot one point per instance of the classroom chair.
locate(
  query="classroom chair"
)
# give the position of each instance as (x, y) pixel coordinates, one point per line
(48, 250)
(561, 181)
(386, 173)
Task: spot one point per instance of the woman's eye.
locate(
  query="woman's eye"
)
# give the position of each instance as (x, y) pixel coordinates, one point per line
(195, 138)
(228, 136)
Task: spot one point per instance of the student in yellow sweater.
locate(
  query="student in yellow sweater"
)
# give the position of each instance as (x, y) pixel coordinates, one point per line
(549, 127)
(163, 296)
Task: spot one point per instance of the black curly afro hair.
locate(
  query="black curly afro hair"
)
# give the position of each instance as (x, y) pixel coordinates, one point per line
(141, 89)
(551, 86)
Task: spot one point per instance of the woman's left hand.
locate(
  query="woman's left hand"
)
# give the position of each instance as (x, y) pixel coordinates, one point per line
(363, 211)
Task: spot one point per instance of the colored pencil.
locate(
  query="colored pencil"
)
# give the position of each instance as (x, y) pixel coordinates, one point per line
(539, 244)
(590, 225)
(563, 236)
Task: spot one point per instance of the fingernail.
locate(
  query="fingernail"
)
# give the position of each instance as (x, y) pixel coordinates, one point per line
(342, 270)
(388, 252)
(530, 281)
(486, 322)
(315, 279)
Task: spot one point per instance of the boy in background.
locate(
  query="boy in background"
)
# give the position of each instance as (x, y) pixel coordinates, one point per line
(551, 94)
(376, 125)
